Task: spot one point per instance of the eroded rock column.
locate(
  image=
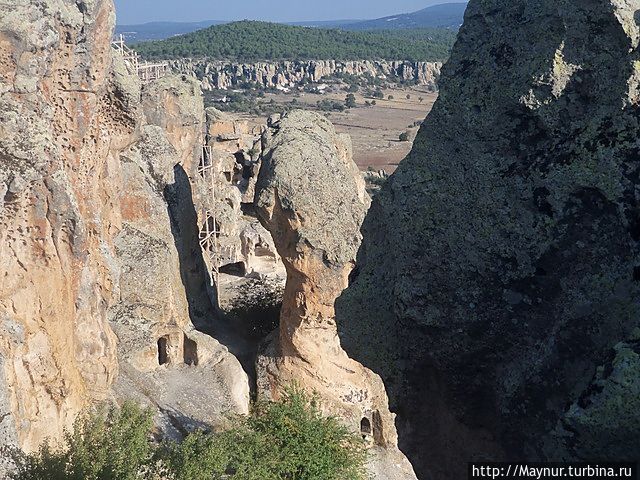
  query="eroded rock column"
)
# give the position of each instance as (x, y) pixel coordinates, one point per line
(312, 199)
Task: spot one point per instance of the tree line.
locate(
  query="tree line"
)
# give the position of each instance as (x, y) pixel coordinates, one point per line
(252, 40)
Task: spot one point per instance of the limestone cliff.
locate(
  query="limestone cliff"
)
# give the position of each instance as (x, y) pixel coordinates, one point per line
(227, 75)
(497, 288)
(311, 197)
(95, 303)
(63, 122)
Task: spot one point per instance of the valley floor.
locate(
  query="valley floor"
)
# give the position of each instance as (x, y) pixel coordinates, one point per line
(374, 130)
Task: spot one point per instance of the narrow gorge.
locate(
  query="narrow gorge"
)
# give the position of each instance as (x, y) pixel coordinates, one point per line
(481, 305)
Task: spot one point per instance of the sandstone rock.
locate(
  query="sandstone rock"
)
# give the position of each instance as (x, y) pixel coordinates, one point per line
(225, 75)
(86, 232)
(175, 104)
(233, 144)
(60, 134)
(311, 197)
(189, 377)
(500, 262)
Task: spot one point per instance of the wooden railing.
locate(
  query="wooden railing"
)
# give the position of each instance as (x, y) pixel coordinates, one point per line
(147, 72)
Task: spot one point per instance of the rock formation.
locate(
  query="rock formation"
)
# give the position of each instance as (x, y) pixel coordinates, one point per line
(165, 362)
(497, 287)
(63, 123)
(226, 75)
(102, 273)
(311, 197)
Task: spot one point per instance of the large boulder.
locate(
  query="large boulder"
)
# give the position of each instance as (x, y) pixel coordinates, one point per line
(499, 275)
(312, 199)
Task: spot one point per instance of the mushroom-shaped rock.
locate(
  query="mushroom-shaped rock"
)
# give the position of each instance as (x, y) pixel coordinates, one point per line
(312, 199)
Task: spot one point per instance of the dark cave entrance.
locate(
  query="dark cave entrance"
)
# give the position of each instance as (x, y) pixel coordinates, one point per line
(236, 269)
(365, 428)
(163, 353)
(190, 352)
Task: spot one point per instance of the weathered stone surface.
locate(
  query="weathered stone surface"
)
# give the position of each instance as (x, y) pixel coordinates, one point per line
(190, 378)
(61, 127)
(312, 199)
(499, 269)
(86, 233)
(175, 104)
(225, 75)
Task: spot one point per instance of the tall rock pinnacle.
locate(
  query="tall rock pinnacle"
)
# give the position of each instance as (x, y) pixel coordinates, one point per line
(312, 199)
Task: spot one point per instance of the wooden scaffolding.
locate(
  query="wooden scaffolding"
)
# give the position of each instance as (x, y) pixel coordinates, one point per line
(147, 72)
(210, 230)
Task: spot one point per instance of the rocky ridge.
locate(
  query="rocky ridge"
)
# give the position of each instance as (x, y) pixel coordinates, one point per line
(107, 291)
(500, 261)
(226, 75)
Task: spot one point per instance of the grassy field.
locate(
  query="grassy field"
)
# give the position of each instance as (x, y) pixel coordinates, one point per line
(374, 130)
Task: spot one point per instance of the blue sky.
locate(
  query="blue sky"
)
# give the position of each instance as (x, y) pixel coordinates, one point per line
(141, 11)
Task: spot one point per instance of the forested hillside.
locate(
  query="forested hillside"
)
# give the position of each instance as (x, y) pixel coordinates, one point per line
(251, 40)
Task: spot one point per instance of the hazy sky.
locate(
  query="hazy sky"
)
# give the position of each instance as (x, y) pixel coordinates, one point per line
(141, 11)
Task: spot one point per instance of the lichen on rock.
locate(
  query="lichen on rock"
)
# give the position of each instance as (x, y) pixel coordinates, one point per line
(500, 261)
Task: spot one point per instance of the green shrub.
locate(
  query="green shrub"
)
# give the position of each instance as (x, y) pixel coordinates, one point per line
(107, 445)
(290, 439)
(350, 101)
(198, 457)
(404, 137)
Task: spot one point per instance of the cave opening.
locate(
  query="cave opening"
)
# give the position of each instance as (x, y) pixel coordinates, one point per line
(190, 352)
(365, 428)
(163, 353)
(235, 269)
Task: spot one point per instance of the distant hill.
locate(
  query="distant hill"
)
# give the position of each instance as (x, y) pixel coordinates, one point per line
(446, 15)
(251, 40)
(160, 30)
(145, 32)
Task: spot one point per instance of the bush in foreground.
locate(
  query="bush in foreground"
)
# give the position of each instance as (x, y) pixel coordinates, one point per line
(290, 439)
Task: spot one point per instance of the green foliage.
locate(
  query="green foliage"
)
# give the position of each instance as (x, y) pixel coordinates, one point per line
(198, 457)
(327, 105)
(404, 137)
(251, 40)
(350, 101)
(111, 445)
(290, 439)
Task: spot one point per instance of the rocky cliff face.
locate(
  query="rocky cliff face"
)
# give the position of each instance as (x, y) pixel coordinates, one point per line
(311, 197)
(63, 123)
(94, 300)
(500, 262)
(225, 75)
